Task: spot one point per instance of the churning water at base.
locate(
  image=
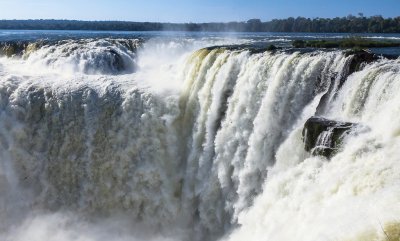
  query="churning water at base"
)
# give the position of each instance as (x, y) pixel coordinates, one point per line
(116, 139)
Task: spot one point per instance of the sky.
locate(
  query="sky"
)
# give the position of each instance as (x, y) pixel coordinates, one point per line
(192, 10)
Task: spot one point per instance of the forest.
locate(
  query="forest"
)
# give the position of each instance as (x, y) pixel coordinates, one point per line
(348, 24)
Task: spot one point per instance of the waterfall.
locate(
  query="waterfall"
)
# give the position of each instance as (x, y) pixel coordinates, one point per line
(353, 196)
(91, 136)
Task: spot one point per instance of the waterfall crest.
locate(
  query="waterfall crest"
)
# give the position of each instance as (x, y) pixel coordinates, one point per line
(223, 155)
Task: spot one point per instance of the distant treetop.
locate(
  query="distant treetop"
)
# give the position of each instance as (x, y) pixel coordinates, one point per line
(349, 24)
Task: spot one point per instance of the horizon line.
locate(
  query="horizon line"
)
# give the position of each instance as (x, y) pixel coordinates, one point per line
(231, 21)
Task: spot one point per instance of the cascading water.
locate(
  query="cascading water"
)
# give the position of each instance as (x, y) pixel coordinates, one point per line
(354, 196)
(129, 140)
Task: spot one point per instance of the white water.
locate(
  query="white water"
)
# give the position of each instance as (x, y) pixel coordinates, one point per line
(193, 145)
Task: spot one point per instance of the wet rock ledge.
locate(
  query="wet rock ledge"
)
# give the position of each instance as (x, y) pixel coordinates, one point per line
(324, 137)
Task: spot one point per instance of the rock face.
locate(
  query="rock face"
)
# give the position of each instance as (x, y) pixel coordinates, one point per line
(10, 49)
(360, 57)
(323, 137)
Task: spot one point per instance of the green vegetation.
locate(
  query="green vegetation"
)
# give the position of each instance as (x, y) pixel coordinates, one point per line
(272, 47)
(349, 24)
(355, 43)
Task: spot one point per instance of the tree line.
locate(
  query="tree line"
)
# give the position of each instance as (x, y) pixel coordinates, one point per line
(349, 24)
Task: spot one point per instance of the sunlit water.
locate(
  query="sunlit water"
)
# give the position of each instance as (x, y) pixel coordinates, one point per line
(155, 136)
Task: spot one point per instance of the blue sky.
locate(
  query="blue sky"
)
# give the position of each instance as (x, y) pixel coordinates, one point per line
(191, 10)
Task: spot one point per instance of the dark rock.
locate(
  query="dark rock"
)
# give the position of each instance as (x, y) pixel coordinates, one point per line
(324, 137)
(18, 48)
(116, 61)
(360, 58)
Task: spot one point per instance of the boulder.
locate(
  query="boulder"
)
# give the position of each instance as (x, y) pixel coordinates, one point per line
(324, 137)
